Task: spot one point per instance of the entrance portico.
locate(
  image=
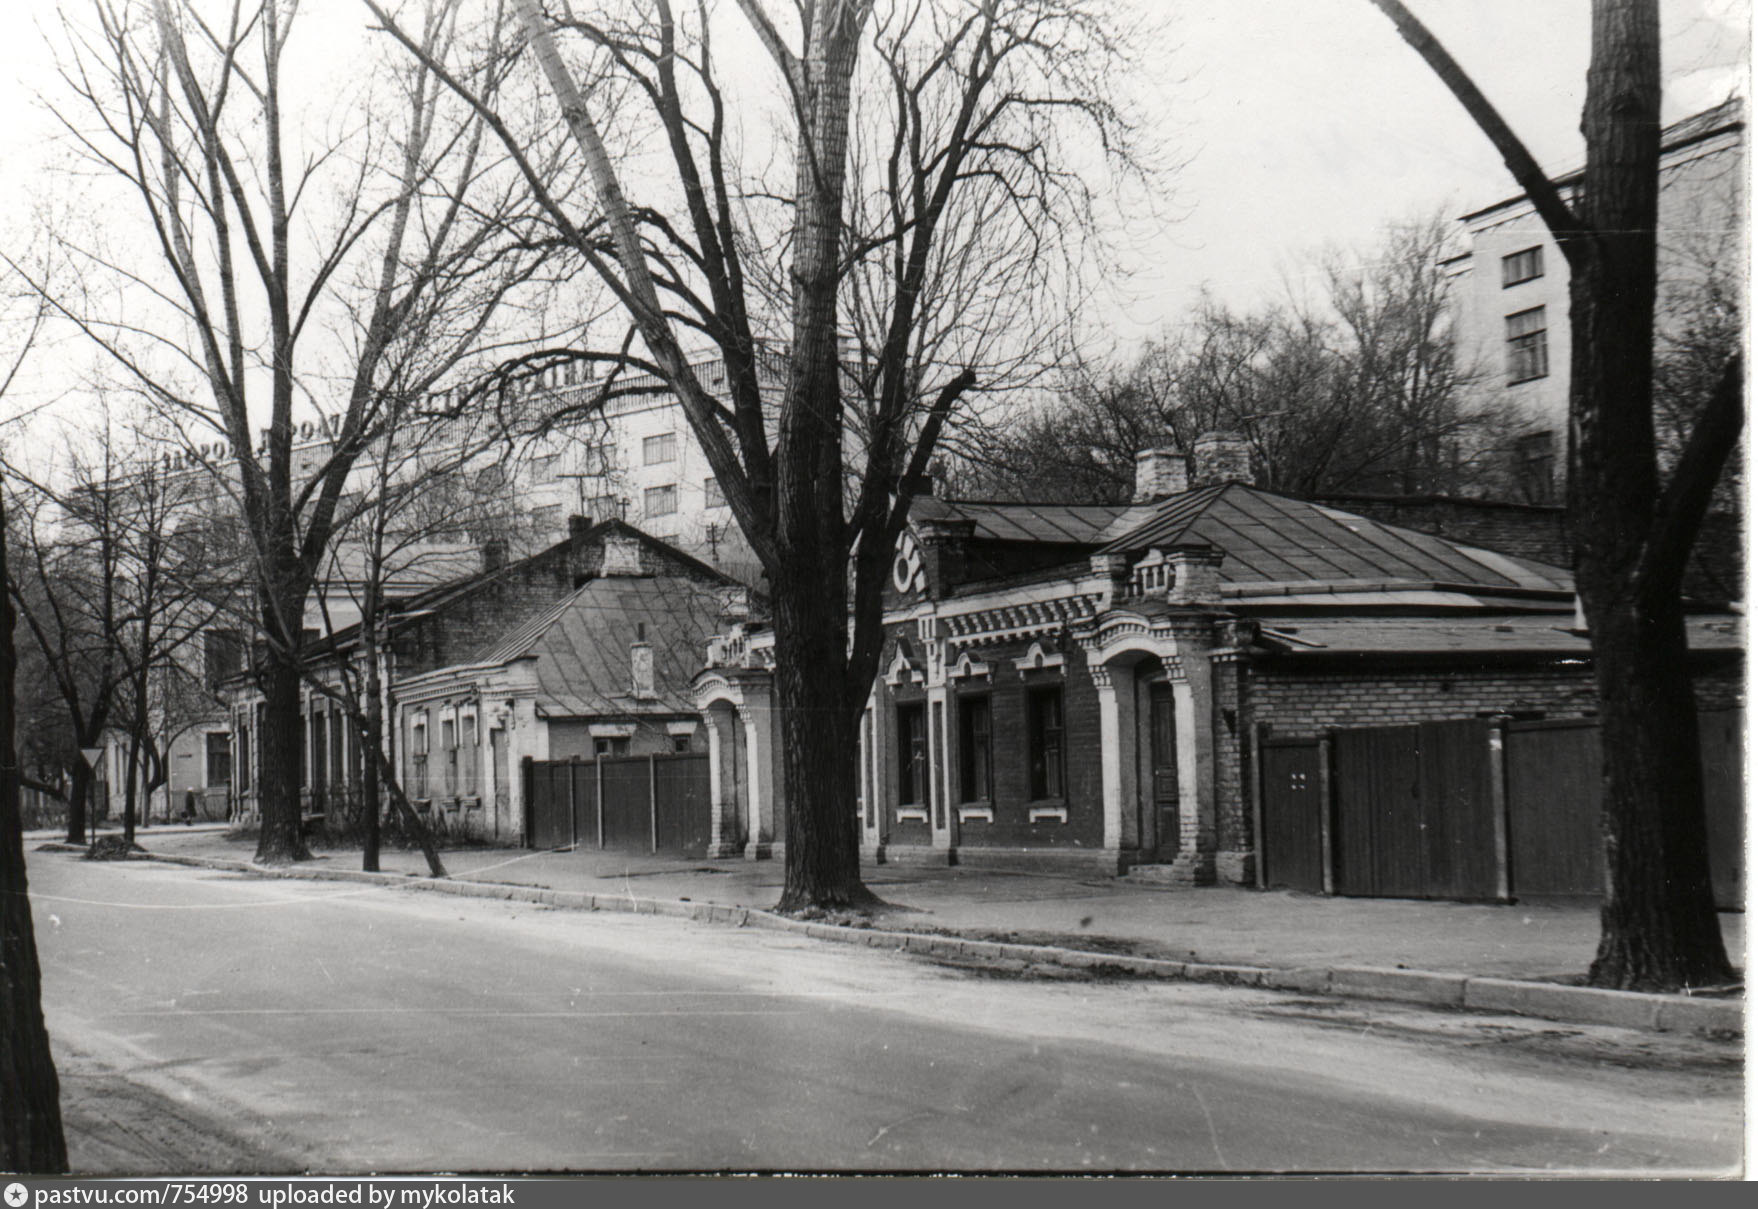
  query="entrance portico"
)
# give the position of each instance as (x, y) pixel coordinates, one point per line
(747, 807)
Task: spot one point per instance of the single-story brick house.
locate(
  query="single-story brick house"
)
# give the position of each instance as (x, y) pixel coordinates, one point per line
(1098, 687)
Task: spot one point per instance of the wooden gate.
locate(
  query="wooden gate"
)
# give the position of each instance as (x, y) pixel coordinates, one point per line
(1293, 814)
(1556, 845)
(1415, 814)
(654, 803)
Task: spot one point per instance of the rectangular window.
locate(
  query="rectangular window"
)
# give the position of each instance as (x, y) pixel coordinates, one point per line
(449, 755)
(1044, 742)
(417, 787)
(912, 756)
(243, 759)
(1528, 354)
(1522, 266)
(223, 652)
(1535, 460)
(219, 758)
(468, 745)
(975, 765)
(712, 495)
(660, 501)
(546, 519)
(660, 449)
(606, 508)
(610, 747)
(680, 743)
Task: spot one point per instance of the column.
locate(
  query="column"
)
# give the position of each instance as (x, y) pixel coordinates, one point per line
(762, 782)
(1193, 708)
(1118, 740)
(723, 788)
(940, 799)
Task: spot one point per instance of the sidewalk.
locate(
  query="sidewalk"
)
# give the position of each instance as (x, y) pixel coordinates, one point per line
(1550, 943)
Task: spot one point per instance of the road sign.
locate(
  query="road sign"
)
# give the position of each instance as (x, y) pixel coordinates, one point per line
(92, 755)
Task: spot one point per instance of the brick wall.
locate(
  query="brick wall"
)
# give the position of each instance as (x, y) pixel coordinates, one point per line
(1536, 531)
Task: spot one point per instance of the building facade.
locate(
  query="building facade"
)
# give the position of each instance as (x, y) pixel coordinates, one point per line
(1511, 286)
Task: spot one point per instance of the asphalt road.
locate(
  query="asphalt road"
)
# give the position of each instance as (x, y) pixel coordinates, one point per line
(210, 1022)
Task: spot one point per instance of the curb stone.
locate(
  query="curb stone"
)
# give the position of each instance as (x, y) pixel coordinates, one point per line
(1543, 1000)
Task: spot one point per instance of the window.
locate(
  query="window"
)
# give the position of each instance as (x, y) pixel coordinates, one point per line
(1522, 266)
(468, 744)
(660, 501)
(223, 655)
(1528, 354)
(680, 743)
(606, 508)
(243, 759)
(219, 758)
(975, 765)
(712, 495)
(547, 519)
(1044, 741)
(618, 746)
(449, 754)
(657, 450)
(912, 756)
(418, 757)
(1535, 460)
(544, 468)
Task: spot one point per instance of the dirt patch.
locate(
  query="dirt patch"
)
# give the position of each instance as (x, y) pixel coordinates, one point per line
(1009, 969)
(114, 848)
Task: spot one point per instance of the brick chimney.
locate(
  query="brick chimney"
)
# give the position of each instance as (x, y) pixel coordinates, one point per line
(1220, 457)
(944, 545)
(1196, 575)
(1160, 473)
(494, 553)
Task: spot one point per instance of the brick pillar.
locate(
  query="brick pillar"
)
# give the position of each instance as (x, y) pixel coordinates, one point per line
(1119, 737)
(1193, 703)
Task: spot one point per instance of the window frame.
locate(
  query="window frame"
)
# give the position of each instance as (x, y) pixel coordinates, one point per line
(1514, 262)
(1046, 744)
(647, 496)
(1528, 350)
(976, 771)
(659, 449)
(912, 754)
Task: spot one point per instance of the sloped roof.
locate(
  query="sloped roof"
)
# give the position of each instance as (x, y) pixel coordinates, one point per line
(1514, 635)
(582, 645)
(1277, 544)
(1077, 524)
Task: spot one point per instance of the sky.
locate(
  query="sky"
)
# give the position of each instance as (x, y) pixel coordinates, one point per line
(1298, 123)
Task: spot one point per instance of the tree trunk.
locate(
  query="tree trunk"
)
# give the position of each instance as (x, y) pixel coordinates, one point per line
(372, 744)
(280, 841)
(31, 1139)
(818, 743)
(1658, 921)
(132, 763)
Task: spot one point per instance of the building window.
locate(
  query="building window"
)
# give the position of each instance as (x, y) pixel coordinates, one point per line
(680, 743)
(243, 758)
(712, 495)
(468, 743)
(618, 746)
(1044, 741)
(547, 519)
(660, 501)
(219, 759)
(544, 468)
(660, 449)
(912, 755)
(1528, 353)
(1522, 266)
(607, 508)
(975, 765)
(223, 655)
(449, 755)
(418, 757)
(1535, 461)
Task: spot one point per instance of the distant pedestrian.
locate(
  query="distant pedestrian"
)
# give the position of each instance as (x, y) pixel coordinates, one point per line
(188, 807)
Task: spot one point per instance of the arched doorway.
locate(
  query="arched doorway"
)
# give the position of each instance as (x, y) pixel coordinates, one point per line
(1157, 745)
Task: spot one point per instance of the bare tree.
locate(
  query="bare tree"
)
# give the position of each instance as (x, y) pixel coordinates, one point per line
(31, 1138)
(1357, 388)
(284, 270)
(977, 111)
(1659, 929)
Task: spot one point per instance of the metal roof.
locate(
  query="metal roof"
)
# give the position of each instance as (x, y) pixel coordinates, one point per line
(1274, 539)
(582, 645)
(1076, 524)
(1513, 634)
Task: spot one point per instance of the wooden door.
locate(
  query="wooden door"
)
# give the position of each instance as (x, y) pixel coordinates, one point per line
(1163, 769)
(1294, 826)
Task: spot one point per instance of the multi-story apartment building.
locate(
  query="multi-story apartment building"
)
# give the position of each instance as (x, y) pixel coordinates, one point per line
(1511, 285)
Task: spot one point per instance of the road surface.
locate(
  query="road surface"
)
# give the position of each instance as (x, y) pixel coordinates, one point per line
(211, 1022)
